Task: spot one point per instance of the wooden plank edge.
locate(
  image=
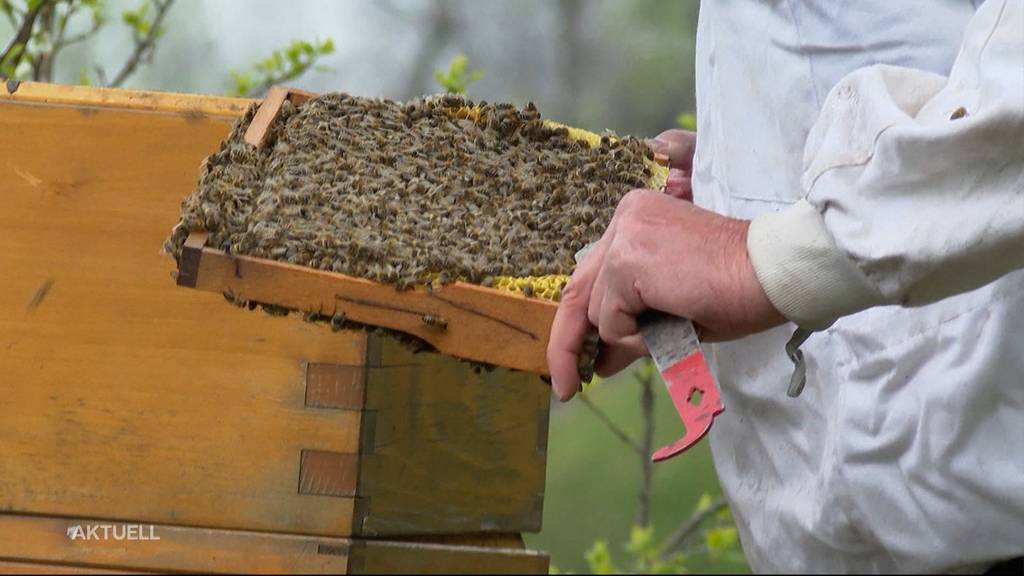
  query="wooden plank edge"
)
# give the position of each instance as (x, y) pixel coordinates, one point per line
(60, 542)
(376, 304)
(20, 567)
(191, 254)
(270, 110)
(25, 92)
(266, 115)
(396, 557)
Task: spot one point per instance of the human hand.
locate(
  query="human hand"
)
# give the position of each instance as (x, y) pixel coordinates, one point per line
(678, 146)
(659, 253)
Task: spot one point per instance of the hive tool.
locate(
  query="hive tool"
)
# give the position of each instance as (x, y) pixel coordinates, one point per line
(673, 344)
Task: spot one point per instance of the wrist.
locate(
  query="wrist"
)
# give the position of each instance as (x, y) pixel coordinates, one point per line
(753, 309)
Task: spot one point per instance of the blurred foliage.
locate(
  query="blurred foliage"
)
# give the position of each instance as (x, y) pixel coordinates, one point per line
(650, 75)
(458, 77)
(40, 30)
(281, 66)
(141, 22)
(591, 493)
(687, 121)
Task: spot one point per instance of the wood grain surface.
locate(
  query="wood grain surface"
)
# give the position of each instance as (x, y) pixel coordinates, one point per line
(42, 545)
(125, 397)
(481, 324)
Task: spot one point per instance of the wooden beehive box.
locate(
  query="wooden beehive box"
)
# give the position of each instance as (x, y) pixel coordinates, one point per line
(250, 442)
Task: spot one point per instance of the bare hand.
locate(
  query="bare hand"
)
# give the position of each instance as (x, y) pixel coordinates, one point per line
(659, 253)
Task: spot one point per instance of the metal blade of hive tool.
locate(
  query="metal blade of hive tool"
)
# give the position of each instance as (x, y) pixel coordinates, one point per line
(673, 344)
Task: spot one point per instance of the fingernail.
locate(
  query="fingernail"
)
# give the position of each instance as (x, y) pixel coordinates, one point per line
(659, 146)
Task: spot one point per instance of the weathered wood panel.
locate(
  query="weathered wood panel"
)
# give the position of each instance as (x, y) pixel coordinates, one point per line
(468, 456)
(43, 545)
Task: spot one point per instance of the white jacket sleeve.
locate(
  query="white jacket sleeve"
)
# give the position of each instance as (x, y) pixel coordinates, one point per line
(914, 184)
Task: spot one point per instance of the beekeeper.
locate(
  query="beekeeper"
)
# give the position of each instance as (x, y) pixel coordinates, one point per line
(859, 182)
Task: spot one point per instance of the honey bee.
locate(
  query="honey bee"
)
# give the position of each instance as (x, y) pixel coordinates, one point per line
(338, 322)
(435, 321)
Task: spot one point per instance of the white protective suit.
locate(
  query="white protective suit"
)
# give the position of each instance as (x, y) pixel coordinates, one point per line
(878, 146)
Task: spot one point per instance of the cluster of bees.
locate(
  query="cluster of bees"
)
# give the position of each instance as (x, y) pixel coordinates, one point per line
(434, 190)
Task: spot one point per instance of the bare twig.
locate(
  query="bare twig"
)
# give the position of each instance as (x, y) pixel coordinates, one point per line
(28, 23)
(62, 41)
(271, 81)
(42, 68)
(647, 446)
(11, 12)
(101, 75)
(607, 421)
(144, 45)
(677, 539)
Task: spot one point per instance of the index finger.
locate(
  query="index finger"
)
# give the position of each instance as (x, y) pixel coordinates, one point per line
(571, 325)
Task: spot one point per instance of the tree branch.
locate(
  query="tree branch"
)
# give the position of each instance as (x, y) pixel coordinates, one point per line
(24, 34)
(62, 41)
(676, 540)
(271, 81)
(10, 11)
(41, 64)
(647, 447)
(619, 432)
(143, 46)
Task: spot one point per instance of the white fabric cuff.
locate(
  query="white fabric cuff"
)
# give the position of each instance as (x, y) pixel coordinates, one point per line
(808, 279)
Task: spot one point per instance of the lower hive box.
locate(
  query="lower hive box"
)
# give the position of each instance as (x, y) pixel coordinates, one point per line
(127, 400)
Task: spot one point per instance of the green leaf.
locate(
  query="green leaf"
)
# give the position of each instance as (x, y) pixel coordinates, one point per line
(243, 84)
(282, 65)
(137, 19)
(687, 121)
(647, 370)
(704, 503)
(83, 77)
(641, 540)
(456, 80)
(720, 540)
(599, 559)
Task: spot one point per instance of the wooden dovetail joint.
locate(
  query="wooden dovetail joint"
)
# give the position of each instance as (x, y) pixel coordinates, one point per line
(335, 387)
(188, 264)
(270, 110)
(324, 473)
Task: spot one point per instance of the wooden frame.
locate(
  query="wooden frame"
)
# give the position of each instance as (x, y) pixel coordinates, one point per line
(462, 320)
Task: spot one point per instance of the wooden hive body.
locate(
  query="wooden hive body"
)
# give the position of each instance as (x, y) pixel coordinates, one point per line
(126, 399)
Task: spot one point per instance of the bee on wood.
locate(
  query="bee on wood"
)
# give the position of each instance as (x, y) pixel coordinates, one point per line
(338, 322)
(435, 321)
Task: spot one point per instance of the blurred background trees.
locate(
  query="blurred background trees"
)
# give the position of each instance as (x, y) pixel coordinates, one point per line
(624, 65)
